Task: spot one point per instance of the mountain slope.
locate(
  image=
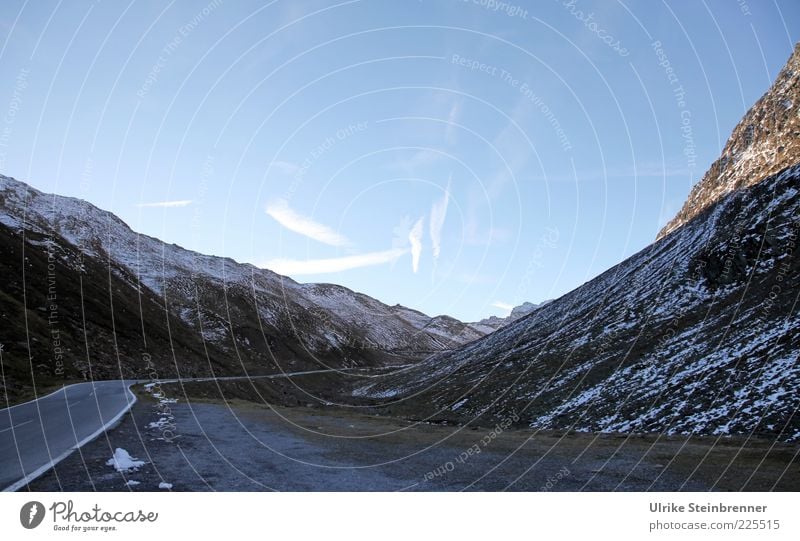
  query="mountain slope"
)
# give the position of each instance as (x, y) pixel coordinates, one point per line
(226, 317)
(765, 141)
(697, 333)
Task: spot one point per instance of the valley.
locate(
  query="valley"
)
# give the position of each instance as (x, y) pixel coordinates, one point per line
(676, 369)
(234, 444)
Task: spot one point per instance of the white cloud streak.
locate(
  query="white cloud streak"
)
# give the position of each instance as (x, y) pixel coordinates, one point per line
(303, 225)
(503, 306)
(438, 215)
(415, 238)
(166, 204)
(289, 168)
(296, 267)
(452, 119)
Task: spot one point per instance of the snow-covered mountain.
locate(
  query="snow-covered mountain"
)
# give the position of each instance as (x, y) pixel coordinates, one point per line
(697, 333)
(243, 316)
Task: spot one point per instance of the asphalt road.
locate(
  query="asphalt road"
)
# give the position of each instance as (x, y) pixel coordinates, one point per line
(36, 435)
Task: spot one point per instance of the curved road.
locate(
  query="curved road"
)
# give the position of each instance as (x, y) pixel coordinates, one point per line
(36, 435)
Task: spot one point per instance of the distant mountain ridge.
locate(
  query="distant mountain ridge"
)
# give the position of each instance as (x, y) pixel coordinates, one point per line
(230, 316)
(493, 323)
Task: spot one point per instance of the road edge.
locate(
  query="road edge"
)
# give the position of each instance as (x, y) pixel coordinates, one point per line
(60, 389)
(47, 467)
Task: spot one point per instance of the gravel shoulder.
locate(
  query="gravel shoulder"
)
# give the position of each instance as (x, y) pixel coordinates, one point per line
(236, 445)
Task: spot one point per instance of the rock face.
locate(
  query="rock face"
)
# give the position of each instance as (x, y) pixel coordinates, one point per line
(121, 301)
(765, 141)
(697, 333)
(493, 323)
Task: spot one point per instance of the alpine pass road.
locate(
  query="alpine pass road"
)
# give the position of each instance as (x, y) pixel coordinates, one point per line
(37, 434)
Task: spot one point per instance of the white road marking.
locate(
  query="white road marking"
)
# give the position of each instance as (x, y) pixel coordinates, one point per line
(14, 426)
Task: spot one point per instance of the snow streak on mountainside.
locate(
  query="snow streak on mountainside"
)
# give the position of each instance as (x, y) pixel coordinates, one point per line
(251, 317)
(697, 333)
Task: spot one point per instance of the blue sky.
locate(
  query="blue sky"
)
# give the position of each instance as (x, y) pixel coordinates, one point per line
(454, 156)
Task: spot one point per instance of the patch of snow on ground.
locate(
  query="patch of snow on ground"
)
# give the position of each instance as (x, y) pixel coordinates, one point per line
(388, 393)
(162, 422)
(122, 461)
(458, 404)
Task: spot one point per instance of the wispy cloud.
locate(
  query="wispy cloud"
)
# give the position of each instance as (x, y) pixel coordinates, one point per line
(400, 232)
(452, 119)
(297, 267)
(503, 306)
(438, 215)
(415, 238)
(286, 167)
(167, 204)
(303, 225)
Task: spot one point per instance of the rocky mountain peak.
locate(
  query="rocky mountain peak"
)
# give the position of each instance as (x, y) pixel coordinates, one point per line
(493, 323)
(523, 310)
(766, 141)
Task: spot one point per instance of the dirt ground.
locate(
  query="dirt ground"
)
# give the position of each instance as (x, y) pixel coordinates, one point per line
(208, 444)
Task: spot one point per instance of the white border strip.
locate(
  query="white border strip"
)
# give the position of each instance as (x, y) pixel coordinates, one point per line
(9, 408)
